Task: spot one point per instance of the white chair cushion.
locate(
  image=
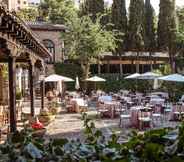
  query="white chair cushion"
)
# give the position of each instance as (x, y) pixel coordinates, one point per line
(176, 112)
(125, 116)
(156, 115)
(145, 119)
(167, 110)
(103, 110)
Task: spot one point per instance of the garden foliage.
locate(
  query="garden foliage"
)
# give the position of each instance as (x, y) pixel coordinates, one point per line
(95, 147)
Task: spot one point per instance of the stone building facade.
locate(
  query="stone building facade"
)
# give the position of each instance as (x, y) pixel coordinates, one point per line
(16, 4)
(51, 36)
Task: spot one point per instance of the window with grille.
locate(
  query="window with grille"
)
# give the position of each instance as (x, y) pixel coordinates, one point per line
(51, 48)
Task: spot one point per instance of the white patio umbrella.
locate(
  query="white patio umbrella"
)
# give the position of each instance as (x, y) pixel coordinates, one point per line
(95, 79)
(67, 79)
(156, 84)
(149, 76)
(133, 76)
(59, 79)
(77, 86)
(173, 78)
(56, 78)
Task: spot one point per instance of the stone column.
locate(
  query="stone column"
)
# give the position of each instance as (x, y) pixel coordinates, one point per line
(12, 92)
(31, 84)
(42, 89)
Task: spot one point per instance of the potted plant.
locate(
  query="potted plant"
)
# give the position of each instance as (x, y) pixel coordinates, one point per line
(54, 108)
(38, 128)
(50, 95)
(45, 116)
(18, 95)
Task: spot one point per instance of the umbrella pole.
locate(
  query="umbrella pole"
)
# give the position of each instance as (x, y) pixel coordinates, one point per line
(136, 86)
(95, 86)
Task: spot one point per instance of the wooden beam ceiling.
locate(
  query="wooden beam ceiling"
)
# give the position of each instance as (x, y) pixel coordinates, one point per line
(11, 25)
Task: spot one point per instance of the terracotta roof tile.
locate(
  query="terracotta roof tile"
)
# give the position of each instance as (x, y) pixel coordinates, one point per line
(45, 26)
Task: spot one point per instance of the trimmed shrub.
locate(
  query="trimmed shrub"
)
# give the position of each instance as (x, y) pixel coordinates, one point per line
(69, 70)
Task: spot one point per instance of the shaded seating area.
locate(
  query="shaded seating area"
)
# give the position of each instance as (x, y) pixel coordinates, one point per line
(18, 45)
(139, 110)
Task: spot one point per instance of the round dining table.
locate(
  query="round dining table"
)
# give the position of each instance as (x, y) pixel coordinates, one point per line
(135, 111)
(112, 105)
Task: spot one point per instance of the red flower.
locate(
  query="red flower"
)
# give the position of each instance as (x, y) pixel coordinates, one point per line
(37, 125)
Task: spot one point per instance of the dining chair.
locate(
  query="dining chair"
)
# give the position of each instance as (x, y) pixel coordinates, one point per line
(157, 117)
(144, 120)
(101, 109)
(167, 112)
(125, 117)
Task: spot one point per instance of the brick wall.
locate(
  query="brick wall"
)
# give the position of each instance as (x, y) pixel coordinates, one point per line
(55, 37)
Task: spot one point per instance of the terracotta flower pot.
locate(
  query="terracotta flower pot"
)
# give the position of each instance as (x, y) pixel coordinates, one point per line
(39, 132)
(46, 119)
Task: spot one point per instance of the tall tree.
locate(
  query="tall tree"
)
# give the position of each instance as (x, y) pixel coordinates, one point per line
(29, 14)
(180, 15)
(92, 8)
(136, 31)
(119, 20)
(86, 41)
(180, 39)
(167, 29)
(150, 30)
(58, 11)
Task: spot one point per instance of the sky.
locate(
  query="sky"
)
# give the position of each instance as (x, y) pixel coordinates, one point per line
(155, 3)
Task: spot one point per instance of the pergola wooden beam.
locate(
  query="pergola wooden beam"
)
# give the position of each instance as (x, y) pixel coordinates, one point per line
(15, 27)
(18, 44)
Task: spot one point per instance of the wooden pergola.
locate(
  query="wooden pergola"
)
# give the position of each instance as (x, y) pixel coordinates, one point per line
(19, 45)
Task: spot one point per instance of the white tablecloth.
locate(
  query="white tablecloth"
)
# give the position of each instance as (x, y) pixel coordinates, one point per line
(80, 101)
(105, 98)
(155, 101)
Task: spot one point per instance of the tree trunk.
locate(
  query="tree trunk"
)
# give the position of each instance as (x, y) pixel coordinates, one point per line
(172, 62)
(99, 69)
(120, 66)
(85, 69)
(151, 65)
(137, 64)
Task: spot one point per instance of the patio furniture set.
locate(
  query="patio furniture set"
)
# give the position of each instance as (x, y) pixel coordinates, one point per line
(76, 103)
(139, 111)
(4, 117)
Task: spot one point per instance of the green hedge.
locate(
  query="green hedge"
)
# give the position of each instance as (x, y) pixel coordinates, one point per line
(69, 70)
(116, 82)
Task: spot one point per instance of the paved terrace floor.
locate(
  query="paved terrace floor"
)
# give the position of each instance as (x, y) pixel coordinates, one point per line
(67, 125)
